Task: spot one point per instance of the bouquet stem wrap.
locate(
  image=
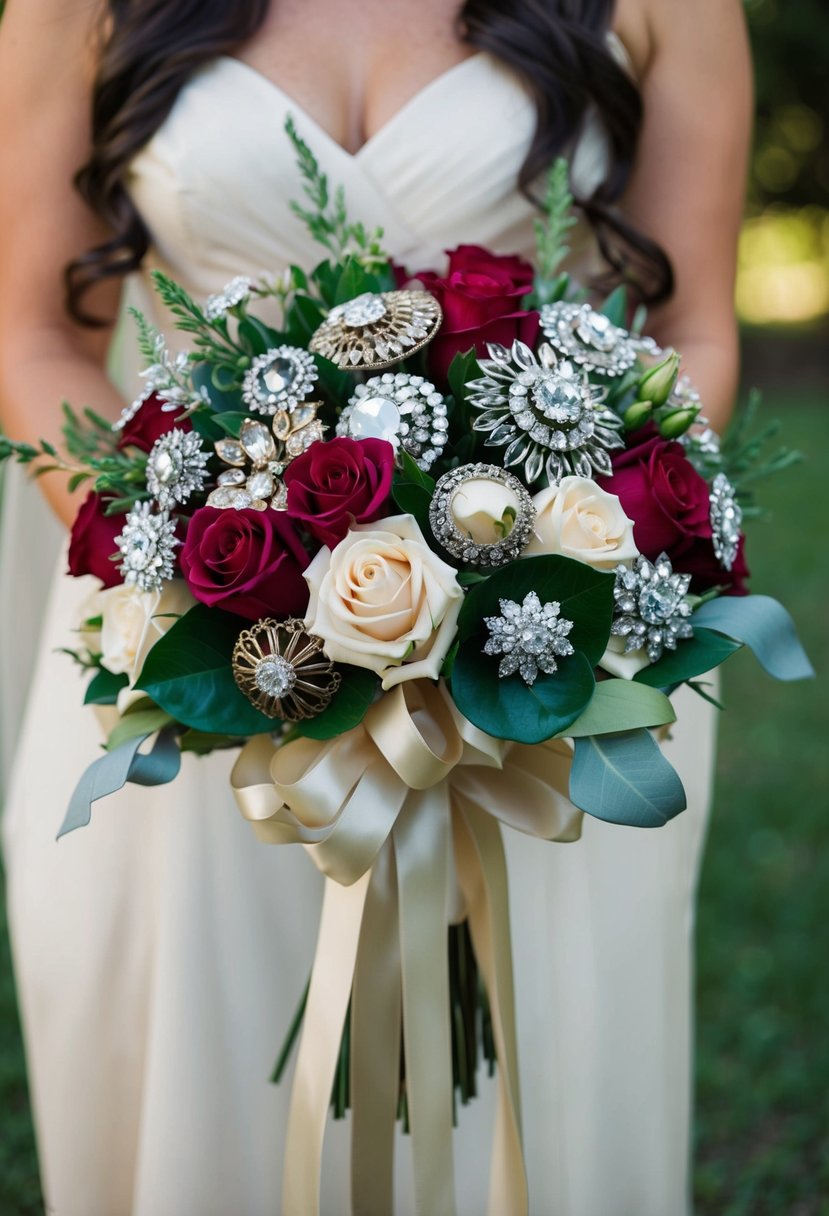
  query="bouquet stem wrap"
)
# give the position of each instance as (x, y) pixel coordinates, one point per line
(402, 815)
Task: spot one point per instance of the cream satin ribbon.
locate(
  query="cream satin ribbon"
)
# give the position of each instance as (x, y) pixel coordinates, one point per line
(398, 813)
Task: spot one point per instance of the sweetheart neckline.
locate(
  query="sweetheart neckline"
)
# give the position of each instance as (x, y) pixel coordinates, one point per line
(382, 131)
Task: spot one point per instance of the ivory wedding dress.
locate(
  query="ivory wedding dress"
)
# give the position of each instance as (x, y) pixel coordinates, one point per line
(160, 952)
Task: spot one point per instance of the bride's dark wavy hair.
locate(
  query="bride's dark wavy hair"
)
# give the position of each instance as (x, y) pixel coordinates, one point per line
(557, 47)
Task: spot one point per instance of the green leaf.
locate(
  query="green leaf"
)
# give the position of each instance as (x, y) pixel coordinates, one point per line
(413, 472)
(615, 307)
(258, 337)
(104, 687)
(347, 708)
(413, 500)
(619, 705)
(692, 657)
(585, 596)
(303, 319)
(763, 625)
(625, 778)
(140, 724)
(463, 368)
(510, 709)
(188, 673)
(202, 744)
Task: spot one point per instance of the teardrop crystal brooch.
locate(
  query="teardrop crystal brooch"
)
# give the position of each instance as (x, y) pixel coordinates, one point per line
(531, 636)
(282, 670)
(176, 467)
(591, 340)
(517, 528)
(377, 329)
(546, 412)
(147, 543)
(259, 457)
(279, 379)
(652, 606)
(726, 520)
(407, 411)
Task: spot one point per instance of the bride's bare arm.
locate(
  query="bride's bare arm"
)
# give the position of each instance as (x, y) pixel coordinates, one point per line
(45, 79)
(688, 183)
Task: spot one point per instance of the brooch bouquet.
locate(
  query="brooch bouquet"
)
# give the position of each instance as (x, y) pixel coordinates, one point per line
(433, 551)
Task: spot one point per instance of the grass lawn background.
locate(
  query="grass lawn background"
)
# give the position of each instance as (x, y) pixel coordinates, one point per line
(762, 1126)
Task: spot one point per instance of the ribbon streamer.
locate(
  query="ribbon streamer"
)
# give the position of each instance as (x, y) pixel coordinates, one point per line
(400, 814)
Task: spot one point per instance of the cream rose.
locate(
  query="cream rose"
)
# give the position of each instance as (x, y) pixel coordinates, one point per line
(580, 520)
(484, 509)
(133, 621)
(383, 600)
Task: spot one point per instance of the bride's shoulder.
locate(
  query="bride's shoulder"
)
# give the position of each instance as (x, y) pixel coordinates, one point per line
(707, 33)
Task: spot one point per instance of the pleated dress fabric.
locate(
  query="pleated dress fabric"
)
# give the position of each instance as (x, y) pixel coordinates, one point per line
(161, 951)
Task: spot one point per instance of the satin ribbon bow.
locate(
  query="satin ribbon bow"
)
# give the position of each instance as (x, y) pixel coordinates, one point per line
(401, 814)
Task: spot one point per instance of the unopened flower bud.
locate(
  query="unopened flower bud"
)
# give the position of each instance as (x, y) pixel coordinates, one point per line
(657, 385)
(636, 415)
(677, 423)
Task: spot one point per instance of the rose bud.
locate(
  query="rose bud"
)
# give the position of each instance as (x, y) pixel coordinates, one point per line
(636, 415)
(485, 510)
(677, 422)
(657, 385)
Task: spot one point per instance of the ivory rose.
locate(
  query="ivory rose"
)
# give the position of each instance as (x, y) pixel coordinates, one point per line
(484, 509)
(580, 520)
(133, 621)
(383, 600)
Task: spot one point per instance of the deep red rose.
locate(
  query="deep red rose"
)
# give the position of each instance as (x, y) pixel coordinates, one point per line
(92, 541)
(480, 296)
(149, 424)
(700, 561)
(332, 485)
(247, 562)
(664, 495)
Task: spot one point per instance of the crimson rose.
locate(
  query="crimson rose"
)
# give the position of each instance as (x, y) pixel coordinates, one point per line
(248, 562)
(334, 484)
(480, 296)
(661, 491)
(700, 561)
(92, 541)
(149, 424)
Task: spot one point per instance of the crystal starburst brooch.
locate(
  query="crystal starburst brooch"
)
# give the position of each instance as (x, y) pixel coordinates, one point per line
(282, 670)
(279, 379)
(591, 340)
(377, 329)
(147, 543)
(530, 636)
(259, 457)
(407, 411)
(726, 520)
(176, 467)
(652, 606)
(546, 412)
(518, 524)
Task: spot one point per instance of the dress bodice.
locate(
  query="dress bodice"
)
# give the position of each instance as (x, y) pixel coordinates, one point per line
(215, 182)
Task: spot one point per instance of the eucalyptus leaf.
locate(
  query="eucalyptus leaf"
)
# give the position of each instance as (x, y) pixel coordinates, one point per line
(347, 707)
(188, 673)
(104, 687)
(619, 705)
(143, 723)
(624, 778)
(762, 624)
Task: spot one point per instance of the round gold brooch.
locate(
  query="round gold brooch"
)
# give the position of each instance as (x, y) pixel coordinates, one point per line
(282, 670)
(377, 329)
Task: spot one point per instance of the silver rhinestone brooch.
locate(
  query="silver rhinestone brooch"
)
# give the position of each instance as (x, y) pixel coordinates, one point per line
(517, 523)
(232, 295)
(259, 457)
(530, 636)
(377, 329)
(726, 520)
(546, 412)
(176, 467)
(407, 411)
(590, 339)
(652, 606)
(147, 543)
(279, 379)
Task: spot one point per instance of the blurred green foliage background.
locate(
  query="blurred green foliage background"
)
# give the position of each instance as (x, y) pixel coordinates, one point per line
(762, 1125)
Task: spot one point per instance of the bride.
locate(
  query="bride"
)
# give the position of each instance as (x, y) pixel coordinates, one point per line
(160, 954)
